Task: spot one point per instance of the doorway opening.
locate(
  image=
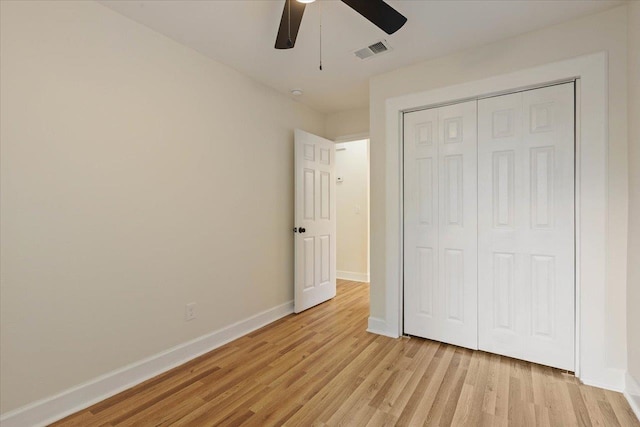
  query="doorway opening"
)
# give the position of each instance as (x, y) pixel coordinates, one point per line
(352, 209)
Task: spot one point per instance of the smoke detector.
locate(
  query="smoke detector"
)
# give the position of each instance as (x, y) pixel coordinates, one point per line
(374, 49)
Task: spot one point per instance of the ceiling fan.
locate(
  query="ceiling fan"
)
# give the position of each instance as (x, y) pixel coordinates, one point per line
(377, 11)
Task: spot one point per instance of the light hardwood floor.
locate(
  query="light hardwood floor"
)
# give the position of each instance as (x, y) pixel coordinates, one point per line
(322, 368)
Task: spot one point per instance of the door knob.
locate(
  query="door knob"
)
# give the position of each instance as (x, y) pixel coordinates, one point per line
(302, 229)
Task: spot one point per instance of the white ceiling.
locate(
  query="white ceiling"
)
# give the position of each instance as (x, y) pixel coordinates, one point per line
(241, 34)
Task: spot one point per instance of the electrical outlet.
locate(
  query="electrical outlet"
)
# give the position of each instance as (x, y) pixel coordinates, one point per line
(190, 311)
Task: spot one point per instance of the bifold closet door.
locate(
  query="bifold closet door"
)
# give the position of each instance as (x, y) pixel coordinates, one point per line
(526, 225)
(440, 224)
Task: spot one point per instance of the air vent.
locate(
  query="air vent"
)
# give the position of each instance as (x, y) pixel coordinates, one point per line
(372, 50)
(378, 48)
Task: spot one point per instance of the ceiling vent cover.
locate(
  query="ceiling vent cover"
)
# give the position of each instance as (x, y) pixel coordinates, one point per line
(372, 50)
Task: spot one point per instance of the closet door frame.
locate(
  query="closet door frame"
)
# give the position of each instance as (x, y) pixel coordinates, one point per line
(589, 72)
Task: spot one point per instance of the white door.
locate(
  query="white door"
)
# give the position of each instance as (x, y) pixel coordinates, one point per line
(440, 224)
(315, 221)
(526, 225)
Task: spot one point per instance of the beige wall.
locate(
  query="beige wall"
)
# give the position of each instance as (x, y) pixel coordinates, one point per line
(605, 31)
(633, 284)
(137, 176)
(352, 210)
(347, 123)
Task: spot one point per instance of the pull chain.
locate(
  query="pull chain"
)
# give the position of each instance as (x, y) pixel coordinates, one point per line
(320, 5)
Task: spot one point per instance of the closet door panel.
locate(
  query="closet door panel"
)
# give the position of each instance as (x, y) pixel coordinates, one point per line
(421, 217)
(526, 225)
(440, 224)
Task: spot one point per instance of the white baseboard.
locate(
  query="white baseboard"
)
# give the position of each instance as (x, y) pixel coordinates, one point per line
(353, 276)
(632, 393)
(379, 326)
(609, 379)
(56, 407)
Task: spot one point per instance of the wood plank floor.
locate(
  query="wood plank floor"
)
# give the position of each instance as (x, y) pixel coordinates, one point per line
(322, 368)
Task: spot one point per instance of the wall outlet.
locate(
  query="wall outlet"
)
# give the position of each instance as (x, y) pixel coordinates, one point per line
(190, 311)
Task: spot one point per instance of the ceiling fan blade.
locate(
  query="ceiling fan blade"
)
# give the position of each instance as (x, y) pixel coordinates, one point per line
(289, 24)
(379, 13)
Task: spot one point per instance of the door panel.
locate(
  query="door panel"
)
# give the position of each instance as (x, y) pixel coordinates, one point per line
(440, 224)
(315, 213)
(526, 225)
(421, 223)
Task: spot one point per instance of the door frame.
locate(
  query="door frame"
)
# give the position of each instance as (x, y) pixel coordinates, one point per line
(590, 73)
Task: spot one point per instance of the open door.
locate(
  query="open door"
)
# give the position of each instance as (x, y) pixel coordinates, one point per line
(315, 221)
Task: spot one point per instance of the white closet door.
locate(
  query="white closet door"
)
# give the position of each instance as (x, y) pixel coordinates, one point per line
(440, 224)
(526, 225)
